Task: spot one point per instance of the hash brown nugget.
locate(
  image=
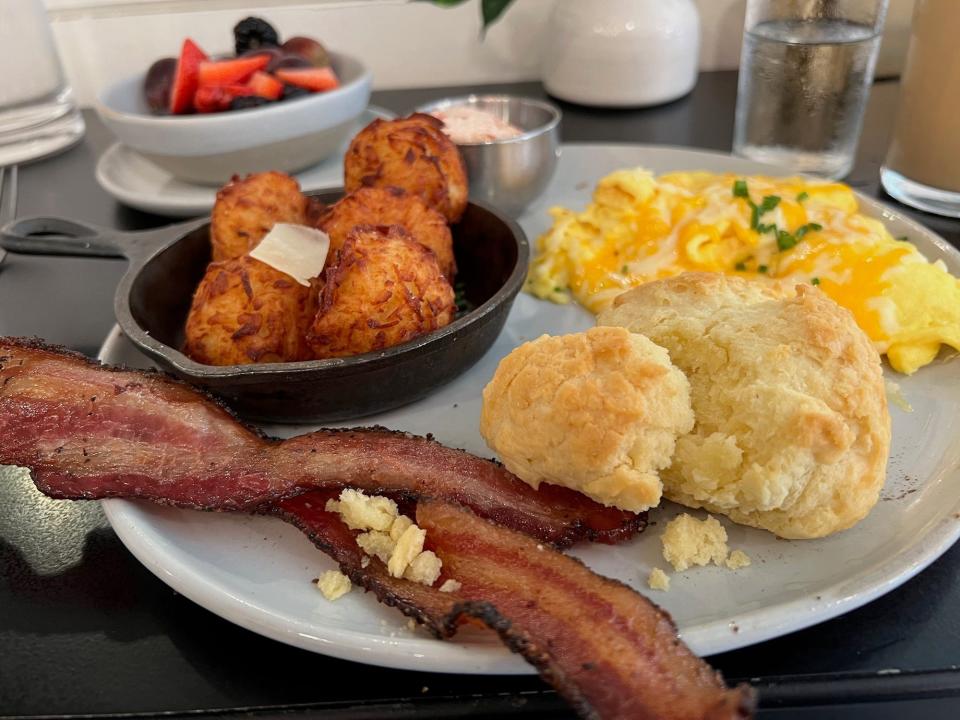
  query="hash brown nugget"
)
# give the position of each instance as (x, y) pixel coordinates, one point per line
(390, 206)
(246, 210)
(386, 289)
(245, 311)
(412, 153)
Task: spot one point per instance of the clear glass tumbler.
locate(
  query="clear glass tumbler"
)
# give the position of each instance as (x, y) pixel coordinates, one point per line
(805, 74)
(923, 165)
(38, 116)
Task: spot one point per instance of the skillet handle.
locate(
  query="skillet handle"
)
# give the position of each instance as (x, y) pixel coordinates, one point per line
(59, 236)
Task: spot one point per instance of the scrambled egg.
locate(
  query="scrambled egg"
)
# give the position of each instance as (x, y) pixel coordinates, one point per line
(640, 228)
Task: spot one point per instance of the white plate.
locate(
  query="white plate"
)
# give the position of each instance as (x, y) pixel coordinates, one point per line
(256, 572)
(135, 181)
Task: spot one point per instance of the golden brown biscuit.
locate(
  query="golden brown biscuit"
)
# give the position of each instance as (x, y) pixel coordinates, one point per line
(246, 210)
(385, 289)
(792, 430)
(412, 153)
(390, 206)
(245, 311)
(597, 412)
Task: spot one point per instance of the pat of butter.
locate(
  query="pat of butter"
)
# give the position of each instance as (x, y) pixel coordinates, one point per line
(297, 250)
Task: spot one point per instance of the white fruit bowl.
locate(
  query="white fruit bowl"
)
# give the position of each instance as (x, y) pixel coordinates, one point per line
(289, 136)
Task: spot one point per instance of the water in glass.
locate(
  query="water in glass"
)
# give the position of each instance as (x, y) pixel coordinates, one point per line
(802, 92)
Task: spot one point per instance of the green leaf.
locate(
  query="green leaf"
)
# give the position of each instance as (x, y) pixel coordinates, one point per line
(815, 281)
(803, 196)
(740, 189)
(491, 10)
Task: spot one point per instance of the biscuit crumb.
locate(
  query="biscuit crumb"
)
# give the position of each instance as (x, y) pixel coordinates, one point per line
(334, 584)
(688, 541)
(450, 586)
(738, 559)
(364, 512)
(424, 568)
(377, 544)
(658, 580)
(389, 536)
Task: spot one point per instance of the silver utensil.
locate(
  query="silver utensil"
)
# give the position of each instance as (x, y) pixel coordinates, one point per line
(8, 199)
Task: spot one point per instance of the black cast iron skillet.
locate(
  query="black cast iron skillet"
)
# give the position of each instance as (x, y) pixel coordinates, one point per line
(153, 298)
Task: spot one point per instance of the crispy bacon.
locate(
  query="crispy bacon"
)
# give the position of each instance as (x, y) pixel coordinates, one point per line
(87, 431)
(90, 432)
(607, 649)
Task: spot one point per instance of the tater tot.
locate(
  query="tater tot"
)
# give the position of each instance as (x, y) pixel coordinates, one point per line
(385, 289)
(390, 206)
(412, 153)
(245, 311)
(246, 210)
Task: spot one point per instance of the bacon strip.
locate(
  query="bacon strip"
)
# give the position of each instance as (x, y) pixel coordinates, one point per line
(607, 649)
(87, 432)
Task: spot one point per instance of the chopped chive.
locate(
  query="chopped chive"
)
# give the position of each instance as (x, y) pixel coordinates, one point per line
(765, 228)
(803, 196)
(903, 238)
(804, 229)
(814, 281)
(740, 266)
(785, 240)
(558, 289)
(624, 270)
(740, 189)
(768, 203)
(761, 268)
(754, 216)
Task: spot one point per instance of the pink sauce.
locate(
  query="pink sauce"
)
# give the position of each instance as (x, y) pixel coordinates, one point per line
(466, 125)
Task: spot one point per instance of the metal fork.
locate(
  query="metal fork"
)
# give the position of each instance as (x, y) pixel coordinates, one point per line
(8, 199)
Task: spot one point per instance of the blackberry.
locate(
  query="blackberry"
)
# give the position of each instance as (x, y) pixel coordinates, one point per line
(252, 33)
(292, 91)
(245, 102)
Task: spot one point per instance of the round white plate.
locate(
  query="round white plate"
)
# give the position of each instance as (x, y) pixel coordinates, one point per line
(256, 572)
(135, 181)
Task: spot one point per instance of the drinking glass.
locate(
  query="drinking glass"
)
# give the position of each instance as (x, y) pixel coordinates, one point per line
(37, 114)
(805, 74)
(923, 165)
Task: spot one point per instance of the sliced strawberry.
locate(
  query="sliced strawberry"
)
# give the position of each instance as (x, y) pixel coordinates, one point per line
(315, 79)
(225, 72)
(185, 77)
(217, 98)
(265, 85)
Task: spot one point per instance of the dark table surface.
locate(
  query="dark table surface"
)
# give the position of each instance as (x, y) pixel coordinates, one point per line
(85, 629)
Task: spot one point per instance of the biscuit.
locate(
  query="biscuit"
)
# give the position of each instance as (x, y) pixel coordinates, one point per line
(597, 412)
(792, 429)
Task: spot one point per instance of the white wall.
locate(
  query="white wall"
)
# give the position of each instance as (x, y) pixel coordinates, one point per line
(406, 44)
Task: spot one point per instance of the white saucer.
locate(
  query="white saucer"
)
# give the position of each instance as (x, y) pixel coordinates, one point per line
(135, 181)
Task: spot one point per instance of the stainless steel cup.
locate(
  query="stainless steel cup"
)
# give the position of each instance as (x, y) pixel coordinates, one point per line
(509, 174)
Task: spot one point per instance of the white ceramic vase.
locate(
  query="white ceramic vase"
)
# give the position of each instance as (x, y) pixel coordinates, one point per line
(622, 53)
